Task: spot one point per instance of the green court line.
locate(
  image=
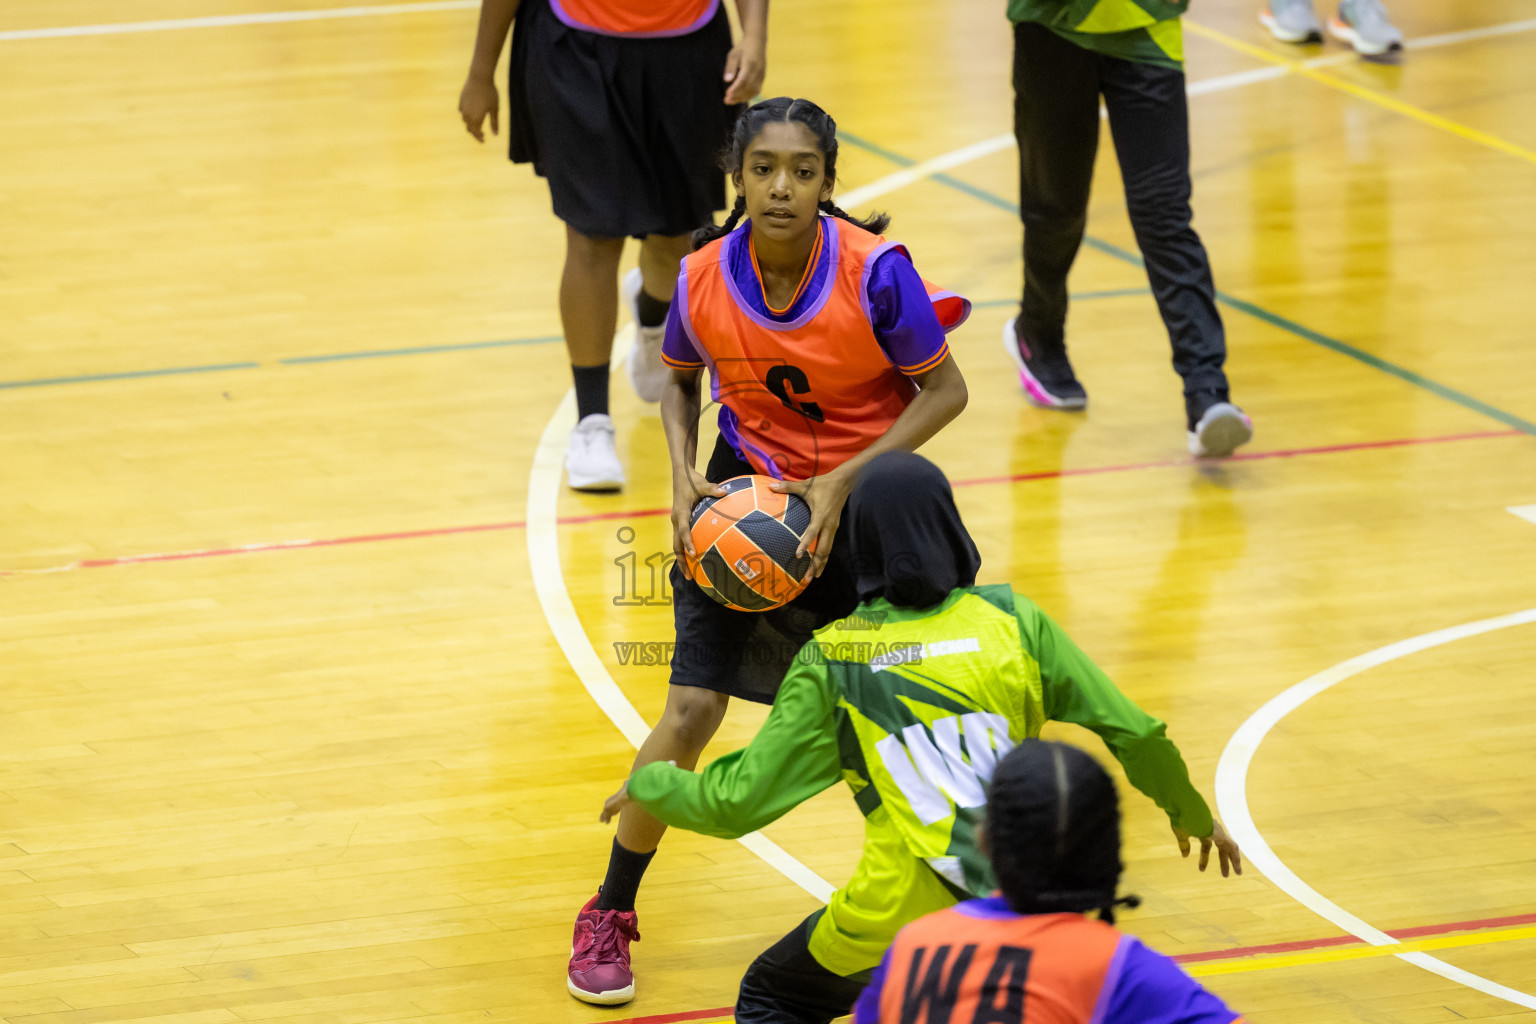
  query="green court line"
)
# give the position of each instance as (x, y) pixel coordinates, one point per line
(420, 350)
(1106, 293)
(87, 378)
(1434, 387)
(125, 375)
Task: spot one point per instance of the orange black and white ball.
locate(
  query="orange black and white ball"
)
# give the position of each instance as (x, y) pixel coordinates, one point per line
(745, 543)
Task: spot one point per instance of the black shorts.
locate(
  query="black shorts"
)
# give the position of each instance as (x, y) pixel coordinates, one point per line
(788, 985)
(745, 654)
(628, 131)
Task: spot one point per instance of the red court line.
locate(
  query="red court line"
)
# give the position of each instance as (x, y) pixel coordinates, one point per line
(673, 1018)
(1350, 940)
(1281, 453)
(646, 513)
(1187, 958)
(1273, 947)
(1464, 926)
(595, 517)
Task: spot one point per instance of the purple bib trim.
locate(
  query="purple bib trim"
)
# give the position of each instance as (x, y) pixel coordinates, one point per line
(1111, 980)
(965, 313)
(581, 26)
(680, 303)
(828, 279)
(990, 908)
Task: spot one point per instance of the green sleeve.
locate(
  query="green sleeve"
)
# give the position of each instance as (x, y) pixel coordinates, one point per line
(1078, 691)
(793, 757)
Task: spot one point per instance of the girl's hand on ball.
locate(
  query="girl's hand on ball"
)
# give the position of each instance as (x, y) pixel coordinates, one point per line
(687, 491)
(826, 495)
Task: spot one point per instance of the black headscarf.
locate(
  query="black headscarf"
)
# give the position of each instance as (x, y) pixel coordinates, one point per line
(905, 535)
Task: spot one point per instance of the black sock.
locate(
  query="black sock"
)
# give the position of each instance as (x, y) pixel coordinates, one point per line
(625, 869)
(1197, 402)
(591, 389)
(653, 311)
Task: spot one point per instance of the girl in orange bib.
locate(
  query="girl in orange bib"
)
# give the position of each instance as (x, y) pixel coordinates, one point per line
(824, 348)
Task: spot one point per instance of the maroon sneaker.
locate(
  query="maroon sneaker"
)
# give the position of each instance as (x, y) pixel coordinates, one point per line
(599, 969)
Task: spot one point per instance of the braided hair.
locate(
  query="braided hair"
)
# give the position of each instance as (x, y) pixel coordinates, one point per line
(1053, 830)
(783, 109)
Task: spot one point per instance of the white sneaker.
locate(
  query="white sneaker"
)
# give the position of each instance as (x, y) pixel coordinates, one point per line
(647, 372)
(1292, 21)
(591, 464)
(1221, 429)
(1364, 25)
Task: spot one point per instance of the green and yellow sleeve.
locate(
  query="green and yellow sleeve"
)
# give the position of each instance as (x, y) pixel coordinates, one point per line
(793, 757)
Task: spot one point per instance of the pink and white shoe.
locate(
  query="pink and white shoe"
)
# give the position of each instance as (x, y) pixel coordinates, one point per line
(1046, 377)
(599, 970)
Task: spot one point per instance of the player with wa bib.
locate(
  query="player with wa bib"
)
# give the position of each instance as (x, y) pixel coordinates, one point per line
(825, 348)
(917, 735)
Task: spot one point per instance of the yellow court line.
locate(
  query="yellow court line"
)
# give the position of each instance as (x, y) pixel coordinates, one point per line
(1381, 99)
(1323, 956)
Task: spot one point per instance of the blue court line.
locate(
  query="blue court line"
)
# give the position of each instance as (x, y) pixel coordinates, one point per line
(1450, 394)
(1106, 293)
(383, 353)
(126, 375)
(87, 378)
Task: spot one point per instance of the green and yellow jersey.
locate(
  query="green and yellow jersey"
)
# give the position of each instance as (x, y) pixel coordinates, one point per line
(913, 709)
(1147, 31)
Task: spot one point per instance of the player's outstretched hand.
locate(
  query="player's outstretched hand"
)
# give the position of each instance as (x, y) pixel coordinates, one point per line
(687, 491)
(477, 101)
(1226, 848)
(826, 494)
(616, 803)
(745, 67)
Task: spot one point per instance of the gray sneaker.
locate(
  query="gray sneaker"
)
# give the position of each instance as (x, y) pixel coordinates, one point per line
(1219, 431)
(1292, 21)
(1364, 25)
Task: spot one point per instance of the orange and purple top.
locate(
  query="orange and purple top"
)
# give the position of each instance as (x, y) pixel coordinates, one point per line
(638, 19)
(805, 389)
(980, 961)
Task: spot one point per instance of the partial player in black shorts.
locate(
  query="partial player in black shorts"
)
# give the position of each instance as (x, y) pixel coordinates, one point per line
(623, 106)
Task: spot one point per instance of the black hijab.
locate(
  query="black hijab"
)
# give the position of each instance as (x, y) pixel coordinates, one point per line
(905, 535)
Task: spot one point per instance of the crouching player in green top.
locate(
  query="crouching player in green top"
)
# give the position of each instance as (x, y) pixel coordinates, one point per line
(914, 717)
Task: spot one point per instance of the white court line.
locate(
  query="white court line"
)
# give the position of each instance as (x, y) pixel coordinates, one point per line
(997, 143)
(271, 17)
(1203, 87)
(226, 20)
(1450, 38)
(927, 169)
(1232, 795)
(1526, 512)
(554, 598)
(549, 584)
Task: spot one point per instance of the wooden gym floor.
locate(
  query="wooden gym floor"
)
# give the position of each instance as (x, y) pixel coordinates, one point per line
(311, 692)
